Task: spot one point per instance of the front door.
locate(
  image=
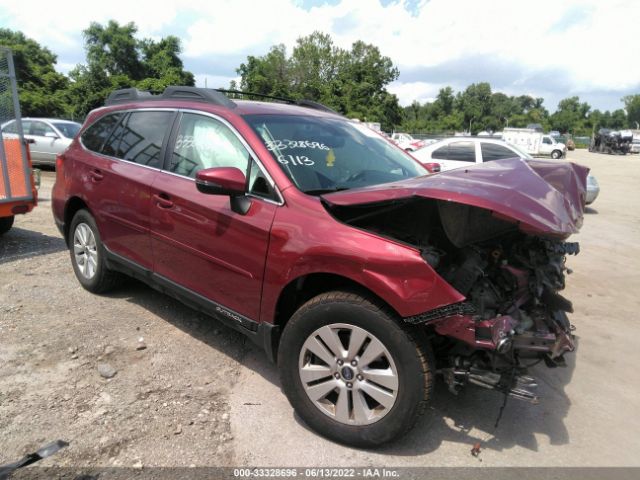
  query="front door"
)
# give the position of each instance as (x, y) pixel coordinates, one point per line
(199, 242)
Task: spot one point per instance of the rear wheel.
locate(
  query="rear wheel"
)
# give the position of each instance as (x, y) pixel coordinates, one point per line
(352, 372)
(88, 255)
(5, 224)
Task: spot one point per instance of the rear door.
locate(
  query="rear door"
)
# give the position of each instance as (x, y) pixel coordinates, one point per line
(456, 154)
(199, 242)
(117, 176)
(45, 141)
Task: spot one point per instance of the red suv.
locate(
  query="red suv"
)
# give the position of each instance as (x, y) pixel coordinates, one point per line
(362, 275)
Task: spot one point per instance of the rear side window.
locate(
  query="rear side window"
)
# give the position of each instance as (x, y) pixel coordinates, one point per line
(441, 153)
(138, 138)
(13, 127)
(462, 151)
(491, 151)
(94, 137)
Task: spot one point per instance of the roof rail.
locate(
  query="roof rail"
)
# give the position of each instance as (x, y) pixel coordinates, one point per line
(301, 103)
(207, 95)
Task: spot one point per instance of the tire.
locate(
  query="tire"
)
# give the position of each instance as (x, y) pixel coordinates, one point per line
(6, 223)
(85, 241)
(556, 154)
(404, 388)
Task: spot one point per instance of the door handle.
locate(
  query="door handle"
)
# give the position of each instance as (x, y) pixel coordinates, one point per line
(162, 200)
(96, 175)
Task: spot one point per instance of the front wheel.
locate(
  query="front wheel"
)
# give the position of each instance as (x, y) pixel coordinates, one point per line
(556, 154)
(5, 224)
(351, 372)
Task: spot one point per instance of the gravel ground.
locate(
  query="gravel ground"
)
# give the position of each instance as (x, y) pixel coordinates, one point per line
(189, 391)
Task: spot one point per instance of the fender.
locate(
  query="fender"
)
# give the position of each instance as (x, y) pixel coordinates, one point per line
(393, 271)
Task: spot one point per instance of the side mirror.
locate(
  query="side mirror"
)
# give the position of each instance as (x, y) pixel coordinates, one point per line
(51, 135)
(221, 181)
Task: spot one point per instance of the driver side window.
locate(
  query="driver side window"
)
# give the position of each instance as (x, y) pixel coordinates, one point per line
(204, 142)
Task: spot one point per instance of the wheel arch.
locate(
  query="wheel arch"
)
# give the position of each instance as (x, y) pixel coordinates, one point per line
(303, 288)
(73, 205)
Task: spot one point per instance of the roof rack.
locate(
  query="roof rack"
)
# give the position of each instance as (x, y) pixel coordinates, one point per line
(195, 94)
(301, 103)
(208, 95)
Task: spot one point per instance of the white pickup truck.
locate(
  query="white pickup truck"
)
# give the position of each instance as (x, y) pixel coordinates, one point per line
(534, 143)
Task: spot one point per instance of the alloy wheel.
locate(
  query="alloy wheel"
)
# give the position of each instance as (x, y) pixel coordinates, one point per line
(348, 374)
(85, 250)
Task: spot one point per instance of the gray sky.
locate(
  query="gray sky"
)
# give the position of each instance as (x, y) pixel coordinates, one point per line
(544, 48)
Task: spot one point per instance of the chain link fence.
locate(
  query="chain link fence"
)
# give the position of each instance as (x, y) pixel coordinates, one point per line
(14, 164)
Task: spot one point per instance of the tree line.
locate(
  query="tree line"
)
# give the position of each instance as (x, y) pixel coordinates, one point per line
(352, 81)
(115, 59)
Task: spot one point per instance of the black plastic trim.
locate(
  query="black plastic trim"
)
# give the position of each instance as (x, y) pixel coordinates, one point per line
(263, 334)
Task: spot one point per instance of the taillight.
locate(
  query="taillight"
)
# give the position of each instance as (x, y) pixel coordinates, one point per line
(59, 166)
(433, 167)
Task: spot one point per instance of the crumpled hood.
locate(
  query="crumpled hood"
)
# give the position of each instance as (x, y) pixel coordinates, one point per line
(542, 197)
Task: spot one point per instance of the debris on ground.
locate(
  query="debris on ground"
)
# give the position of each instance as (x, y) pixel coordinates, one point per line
(107, 371)
(475, 451)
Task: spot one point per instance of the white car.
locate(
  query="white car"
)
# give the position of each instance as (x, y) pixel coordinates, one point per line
(47, 137)
(458, 152)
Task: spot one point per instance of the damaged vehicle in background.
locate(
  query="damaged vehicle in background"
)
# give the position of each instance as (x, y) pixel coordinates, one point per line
(335, 251)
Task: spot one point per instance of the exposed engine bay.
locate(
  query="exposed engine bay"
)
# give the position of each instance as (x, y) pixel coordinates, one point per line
(513, 315)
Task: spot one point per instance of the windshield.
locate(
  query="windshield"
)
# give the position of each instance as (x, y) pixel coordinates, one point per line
(68, 129)
(321, 155)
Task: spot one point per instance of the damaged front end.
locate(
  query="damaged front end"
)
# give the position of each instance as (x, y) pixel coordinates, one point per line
(496, 233)
(512, 314)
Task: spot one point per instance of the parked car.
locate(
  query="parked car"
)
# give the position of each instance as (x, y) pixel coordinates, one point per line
(407, 142)
(456, 152)
(329, 247)
(459, 152)
(635, 146)
(47, 137)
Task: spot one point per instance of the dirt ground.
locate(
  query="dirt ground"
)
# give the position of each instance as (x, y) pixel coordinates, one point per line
(200, 394)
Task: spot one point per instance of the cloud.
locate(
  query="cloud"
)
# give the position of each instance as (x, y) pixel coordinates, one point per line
(548, 48)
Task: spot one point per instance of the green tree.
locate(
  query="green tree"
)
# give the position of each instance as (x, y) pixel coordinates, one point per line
(40, 88)
(114, 49)
(117, 59)
(632, 106)
(475, 105)
(267, 75)
(350, 81)
(571, 116)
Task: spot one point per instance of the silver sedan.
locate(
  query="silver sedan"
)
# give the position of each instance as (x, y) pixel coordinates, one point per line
(48, 137)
